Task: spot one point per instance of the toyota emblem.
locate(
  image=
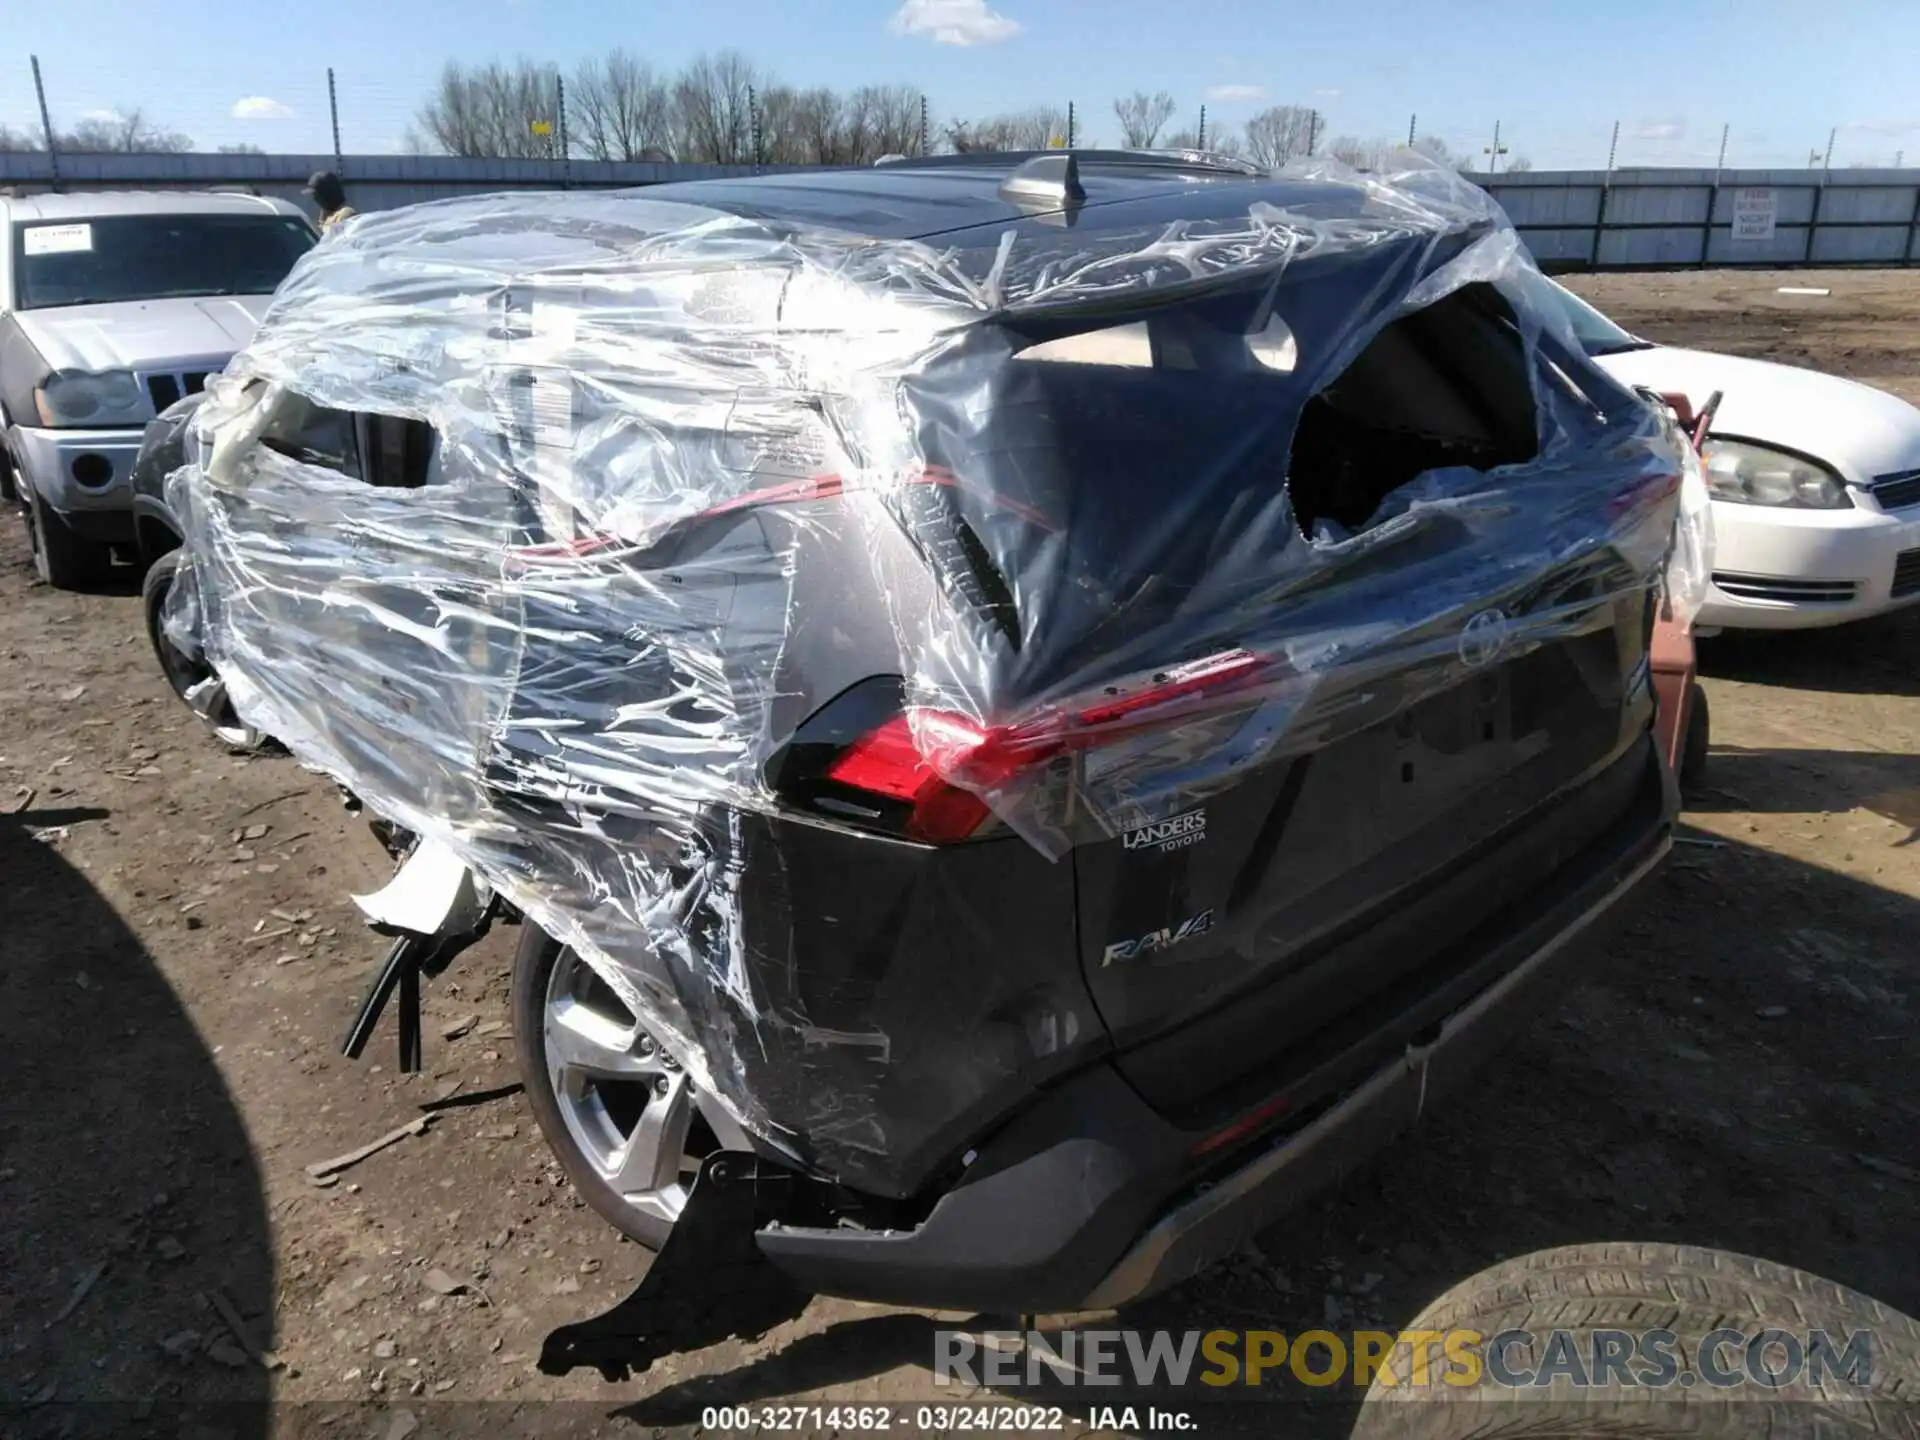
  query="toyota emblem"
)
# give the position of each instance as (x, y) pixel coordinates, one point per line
(1484, 637)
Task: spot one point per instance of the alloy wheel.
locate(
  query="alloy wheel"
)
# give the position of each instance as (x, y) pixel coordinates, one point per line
(633, 1112)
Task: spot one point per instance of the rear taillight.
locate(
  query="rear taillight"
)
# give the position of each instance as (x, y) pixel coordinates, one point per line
(886, 762)
(930, 767)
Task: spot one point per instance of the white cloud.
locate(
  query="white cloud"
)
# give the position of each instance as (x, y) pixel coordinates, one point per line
(260, 107)
(1660, 130)
(1883, 127)
(1236, 94)
(1326, 94)
(953, 22)
(103, 117)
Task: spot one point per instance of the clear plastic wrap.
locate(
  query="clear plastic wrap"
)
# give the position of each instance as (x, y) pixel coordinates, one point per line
(678, 475)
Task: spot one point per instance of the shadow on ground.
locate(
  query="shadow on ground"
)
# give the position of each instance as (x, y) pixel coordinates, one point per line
(1869, 657)
(132, 1202)
(1718, 1073)
(1754, 781)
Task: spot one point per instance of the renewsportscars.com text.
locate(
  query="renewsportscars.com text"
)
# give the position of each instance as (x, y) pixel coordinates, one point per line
(1726, 1359)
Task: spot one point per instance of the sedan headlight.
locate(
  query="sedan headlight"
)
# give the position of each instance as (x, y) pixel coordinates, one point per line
(1751, 474)
(75, 397)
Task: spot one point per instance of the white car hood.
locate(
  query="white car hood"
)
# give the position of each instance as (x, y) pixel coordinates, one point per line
(1858, 430)
(143, 334)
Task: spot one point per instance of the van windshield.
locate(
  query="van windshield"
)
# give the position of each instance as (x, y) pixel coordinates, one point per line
(111, 258)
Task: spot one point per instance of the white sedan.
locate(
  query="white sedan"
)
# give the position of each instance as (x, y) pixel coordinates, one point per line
(1815, 481)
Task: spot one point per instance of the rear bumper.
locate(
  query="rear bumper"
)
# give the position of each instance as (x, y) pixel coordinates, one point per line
(1091, 1199)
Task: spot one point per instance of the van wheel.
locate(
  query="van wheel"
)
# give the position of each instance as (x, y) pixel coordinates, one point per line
(625, 1120)
(61, 558)
(1583, 1290)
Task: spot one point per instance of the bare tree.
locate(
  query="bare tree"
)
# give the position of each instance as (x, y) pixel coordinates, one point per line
(241, 148)
(1434, 148)
(811, 136)
(1032, 129)
(1220, 141)
(1369, 154)
(618, 109)
(1142, 117)
(892, 120)
(123, 135)
(1280, 133)
(1518, 165)
(12, 140)
(712, 109)
(491, 110)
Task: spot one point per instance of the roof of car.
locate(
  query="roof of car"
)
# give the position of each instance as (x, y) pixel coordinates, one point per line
(938, 195)
(98, 204)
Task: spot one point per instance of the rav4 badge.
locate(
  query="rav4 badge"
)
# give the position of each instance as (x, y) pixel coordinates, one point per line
(1155, 941)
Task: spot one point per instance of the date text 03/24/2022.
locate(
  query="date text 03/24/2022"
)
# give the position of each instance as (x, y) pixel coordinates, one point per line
(934, 1419)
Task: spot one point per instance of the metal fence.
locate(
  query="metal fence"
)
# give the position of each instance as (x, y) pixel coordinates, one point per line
(374, 182)
(1580, 219)
(1668, 219)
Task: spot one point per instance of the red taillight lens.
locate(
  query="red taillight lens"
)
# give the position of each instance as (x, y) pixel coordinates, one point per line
(887, 762)
(919, 769)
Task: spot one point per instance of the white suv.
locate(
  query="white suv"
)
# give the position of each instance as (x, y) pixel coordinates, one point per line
(112, 306)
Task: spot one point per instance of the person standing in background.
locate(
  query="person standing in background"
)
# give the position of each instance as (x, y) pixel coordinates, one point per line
(331, 196)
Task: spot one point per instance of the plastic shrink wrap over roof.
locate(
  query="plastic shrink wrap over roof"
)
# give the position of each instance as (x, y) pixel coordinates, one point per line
(558, 644)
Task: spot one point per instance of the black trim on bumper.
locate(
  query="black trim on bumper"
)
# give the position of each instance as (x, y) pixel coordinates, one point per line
(103, 527)
(1090, 1199)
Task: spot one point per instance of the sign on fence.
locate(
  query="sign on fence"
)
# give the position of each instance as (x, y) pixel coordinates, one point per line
(1755, 208)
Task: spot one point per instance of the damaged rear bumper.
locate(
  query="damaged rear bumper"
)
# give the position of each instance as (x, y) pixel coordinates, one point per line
(1091, 1199)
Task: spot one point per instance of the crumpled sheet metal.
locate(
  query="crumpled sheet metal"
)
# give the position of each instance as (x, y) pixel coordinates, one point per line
(549, 658)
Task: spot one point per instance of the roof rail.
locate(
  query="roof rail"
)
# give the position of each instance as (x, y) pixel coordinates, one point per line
(1208, 161)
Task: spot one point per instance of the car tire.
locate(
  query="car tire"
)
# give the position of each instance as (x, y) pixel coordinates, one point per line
(61, 558)
(583, 1121)
(1693, 749)
(1584, 1289)
(185, 674)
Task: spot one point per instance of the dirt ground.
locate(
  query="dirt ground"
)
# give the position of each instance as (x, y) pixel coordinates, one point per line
(178, 958)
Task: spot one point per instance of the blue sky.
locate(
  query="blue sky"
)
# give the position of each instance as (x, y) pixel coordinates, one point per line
(1556, 73)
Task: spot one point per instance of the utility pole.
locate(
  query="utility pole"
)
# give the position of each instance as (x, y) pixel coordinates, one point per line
(1496, 149)
(1200, 142)
(1827, 163)
(923, 123)
(566, 156)
(1721, 163)
(753, 125)
(46, 125)
(1313, 131)
(1069, 124)
(1613, 145)
(1413, 129)
(333, 110)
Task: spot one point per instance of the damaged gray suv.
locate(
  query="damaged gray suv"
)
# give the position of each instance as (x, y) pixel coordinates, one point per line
(1035, 708)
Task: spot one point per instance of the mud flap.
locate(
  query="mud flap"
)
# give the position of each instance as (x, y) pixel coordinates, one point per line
(710, 1282)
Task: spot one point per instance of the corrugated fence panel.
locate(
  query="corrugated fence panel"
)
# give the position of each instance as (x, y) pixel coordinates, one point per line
(1660, 218)
(1570, 218)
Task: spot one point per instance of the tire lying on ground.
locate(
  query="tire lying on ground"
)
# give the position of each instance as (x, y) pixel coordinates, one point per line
(1551, 1313)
